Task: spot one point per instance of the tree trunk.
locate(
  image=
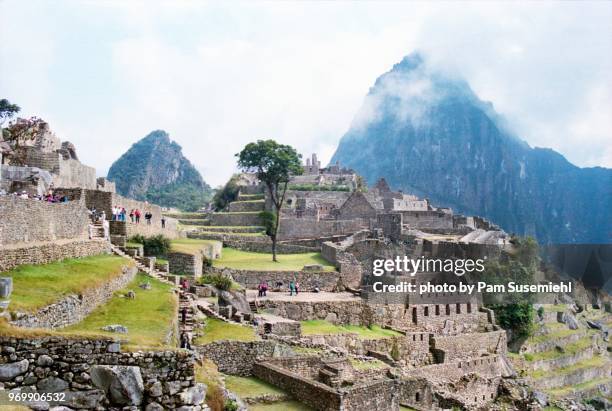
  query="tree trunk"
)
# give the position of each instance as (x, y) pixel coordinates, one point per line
(274, 235)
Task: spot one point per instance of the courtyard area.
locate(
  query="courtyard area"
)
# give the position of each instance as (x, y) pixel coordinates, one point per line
(245, 260)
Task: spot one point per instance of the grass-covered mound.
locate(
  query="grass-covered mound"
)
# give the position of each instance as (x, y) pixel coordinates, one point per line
(245, 260)
(36, 286)
(217, 330)
(190, 245)
(320, 327)
(149, 317)
(250, 387)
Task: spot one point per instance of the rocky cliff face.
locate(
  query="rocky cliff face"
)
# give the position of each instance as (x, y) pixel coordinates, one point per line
(154, 169)
(429, 134)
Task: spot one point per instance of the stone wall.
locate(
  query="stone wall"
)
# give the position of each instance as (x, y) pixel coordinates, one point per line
(50, 252)
(74, 308)
(301, 384)
(27, 221)
(253, 244)
(463, 346)
(83, 368)
(325, 280)
(237, 357)
(427, 219)
(186, 264)
(235, 219)
(294, 228)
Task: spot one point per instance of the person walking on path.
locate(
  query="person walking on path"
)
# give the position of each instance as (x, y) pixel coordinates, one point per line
(163, 221)
(291, 288)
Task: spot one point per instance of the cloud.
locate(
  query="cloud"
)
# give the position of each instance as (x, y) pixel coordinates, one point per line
(221, 74)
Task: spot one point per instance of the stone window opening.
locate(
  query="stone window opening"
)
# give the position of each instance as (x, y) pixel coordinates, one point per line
(447, 309)
(483, 397)
(458, 308)
(417, 397)
(437, 309)
(421, 337)
(469, 308)
(426, 311)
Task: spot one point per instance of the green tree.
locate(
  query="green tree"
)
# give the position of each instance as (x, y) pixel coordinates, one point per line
(274, 164)
(7, 110)
(226, 194)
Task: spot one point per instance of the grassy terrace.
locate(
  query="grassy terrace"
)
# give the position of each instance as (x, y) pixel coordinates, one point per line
(190, 245)
(318, 327)
(249, 387)
(597, 361)
(216, 330)
(238, 259)
(280, 406)
(149, 317)
(568, 390)
(568, 350)
(557, 330)
(36, 286)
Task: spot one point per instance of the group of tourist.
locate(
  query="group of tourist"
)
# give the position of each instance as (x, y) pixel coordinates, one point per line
(120, 213)
(49, 197)
(262, 288)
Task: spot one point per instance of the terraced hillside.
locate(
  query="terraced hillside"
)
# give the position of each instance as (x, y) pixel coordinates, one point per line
(567, 357)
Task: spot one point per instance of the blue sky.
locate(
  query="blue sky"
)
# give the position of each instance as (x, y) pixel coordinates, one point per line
(218, 75)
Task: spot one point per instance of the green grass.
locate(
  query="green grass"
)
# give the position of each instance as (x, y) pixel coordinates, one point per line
(567, 390)
(248, 387)
(319, 327)
(257, 200)
(130, 244)
(230, 234)
(555, 308)
(368, 365)
(216, 330)
(161, 260)
(596, 361)
(149, 317)
(568, 350)
(556, 330)
(245, 260)
(36, 286)
(280, 406)
(404, 408)
(190, 245)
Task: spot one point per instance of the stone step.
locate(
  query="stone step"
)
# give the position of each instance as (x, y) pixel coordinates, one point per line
(236, 219)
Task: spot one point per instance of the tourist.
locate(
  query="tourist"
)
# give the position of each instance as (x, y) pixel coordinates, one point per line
(265, 288)
(184, 315)
(185, 343)
(132, 215)
(123, 213)
(163, 221)
(297, 288)
(291, 288)
(137, 215)
(148, 217)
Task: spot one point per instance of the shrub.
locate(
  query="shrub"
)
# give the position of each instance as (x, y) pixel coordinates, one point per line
(226, 194)
(158, 245)
(215, 399)
(220, 281)
(231, 405)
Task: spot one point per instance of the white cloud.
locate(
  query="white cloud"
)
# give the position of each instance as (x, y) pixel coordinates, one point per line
(218, 75)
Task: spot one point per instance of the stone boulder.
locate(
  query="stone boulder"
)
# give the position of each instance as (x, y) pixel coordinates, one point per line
(235, 299)
(568, 319)
(313, 267)
(193, 395)
(122, 384)
(52, 384)
(13, 369)
(116, 328)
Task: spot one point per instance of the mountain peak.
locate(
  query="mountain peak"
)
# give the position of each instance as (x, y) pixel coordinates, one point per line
(425, 131)
(154, 169)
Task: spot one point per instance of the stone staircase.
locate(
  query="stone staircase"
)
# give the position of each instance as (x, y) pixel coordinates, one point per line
(139, 261)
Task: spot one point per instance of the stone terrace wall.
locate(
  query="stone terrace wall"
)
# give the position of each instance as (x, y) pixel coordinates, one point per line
(326, 281)
(57, 364)
(251, 243)
(50, 252)
(74, 308)
(376, 395)
(26, 221)
(237, 357)
(294, 228)
(187, 264)
(468, 345)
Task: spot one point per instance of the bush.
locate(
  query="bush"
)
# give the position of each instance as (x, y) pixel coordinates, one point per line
(157, 245)
(218, 280)
(516, 317)
(226, 194)
(231, 405)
